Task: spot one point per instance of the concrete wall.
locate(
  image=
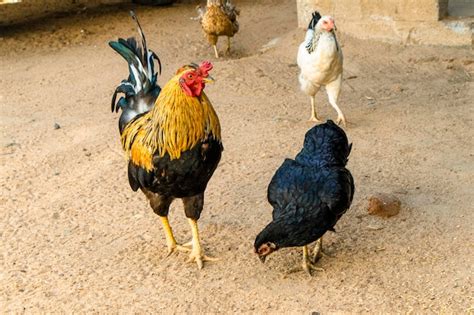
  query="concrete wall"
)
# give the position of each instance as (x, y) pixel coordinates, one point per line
(30, 9)
(399, 21)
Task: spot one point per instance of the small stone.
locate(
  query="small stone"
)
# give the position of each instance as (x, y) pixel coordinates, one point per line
(397, 88)
(56, 126)
(384, 205)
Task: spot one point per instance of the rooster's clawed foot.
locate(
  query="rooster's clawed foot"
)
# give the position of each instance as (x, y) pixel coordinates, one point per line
(200, 258)
(182, 248)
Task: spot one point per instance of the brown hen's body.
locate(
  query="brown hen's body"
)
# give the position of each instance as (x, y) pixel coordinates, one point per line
(219, 19)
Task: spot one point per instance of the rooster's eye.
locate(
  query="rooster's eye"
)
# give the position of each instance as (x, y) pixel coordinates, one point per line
(190, 76)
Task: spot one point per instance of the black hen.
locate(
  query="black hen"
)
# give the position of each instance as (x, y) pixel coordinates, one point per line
(309, 194)
(140, 88)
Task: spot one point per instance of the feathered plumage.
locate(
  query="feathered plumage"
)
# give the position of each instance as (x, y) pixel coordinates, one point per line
(171, 137)
(320, 61)
(310, 193)
(140, 88)
(175, 124)
(219, 18)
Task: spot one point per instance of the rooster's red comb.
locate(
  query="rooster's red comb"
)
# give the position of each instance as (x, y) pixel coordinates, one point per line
(205, 67)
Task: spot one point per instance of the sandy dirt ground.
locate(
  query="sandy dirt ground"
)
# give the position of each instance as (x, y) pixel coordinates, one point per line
(75, 238)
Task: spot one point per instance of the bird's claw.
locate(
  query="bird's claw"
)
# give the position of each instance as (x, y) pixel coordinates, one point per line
(321, 254)
(200, 258)
(176, 247)
(341, 120)
(309, 267)
(188, 245)
(315, 120)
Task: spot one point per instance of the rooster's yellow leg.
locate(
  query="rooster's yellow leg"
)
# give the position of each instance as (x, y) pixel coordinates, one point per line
(197, 254)
(314, 114)
(308, 265)
(215, 51)
(170, 240)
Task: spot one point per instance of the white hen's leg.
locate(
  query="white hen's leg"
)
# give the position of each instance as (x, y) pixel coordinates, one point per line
(314, 115)
(310, 89)
(333, 89)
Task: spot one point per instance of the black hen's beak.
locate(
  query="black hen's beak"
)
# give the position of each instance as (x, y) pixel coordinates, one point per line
(262, 258)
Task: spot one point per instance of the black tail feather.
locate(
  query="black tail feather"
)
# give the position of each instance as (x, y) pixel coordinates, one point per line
(142, 76)
(140, 89)
(142, 36)
(145, 58)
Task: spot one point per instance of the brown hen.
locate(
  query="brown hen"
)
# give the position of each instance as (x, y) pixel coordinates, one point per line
(219, 18)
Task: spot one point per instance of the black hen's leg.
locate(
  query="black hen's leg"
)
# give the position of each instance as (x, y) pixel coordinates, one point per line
(308, 265)
(318, 249)
(161, 206)
(193, 207)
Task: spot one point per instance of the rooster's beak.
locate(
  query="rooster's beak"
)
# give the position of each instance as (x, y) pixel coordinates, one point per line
(209, 80)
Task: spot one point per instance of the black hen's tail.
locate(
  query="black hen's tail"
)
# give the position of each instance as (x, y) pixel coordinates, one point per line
(325, 144)
(140, 88)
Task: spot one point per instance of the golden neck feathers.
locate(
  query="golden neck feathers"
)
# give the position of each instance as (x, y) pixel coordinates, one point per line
(175, 124)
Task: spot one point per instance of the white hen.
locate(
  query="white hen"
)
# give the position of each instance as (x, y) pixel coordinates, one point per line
(320, 61)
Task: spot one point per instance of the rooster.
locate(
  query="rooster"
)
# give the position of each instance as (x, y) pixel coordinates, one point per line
(309, 194)
(219, 18)
(171, 137)
(320, 61)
